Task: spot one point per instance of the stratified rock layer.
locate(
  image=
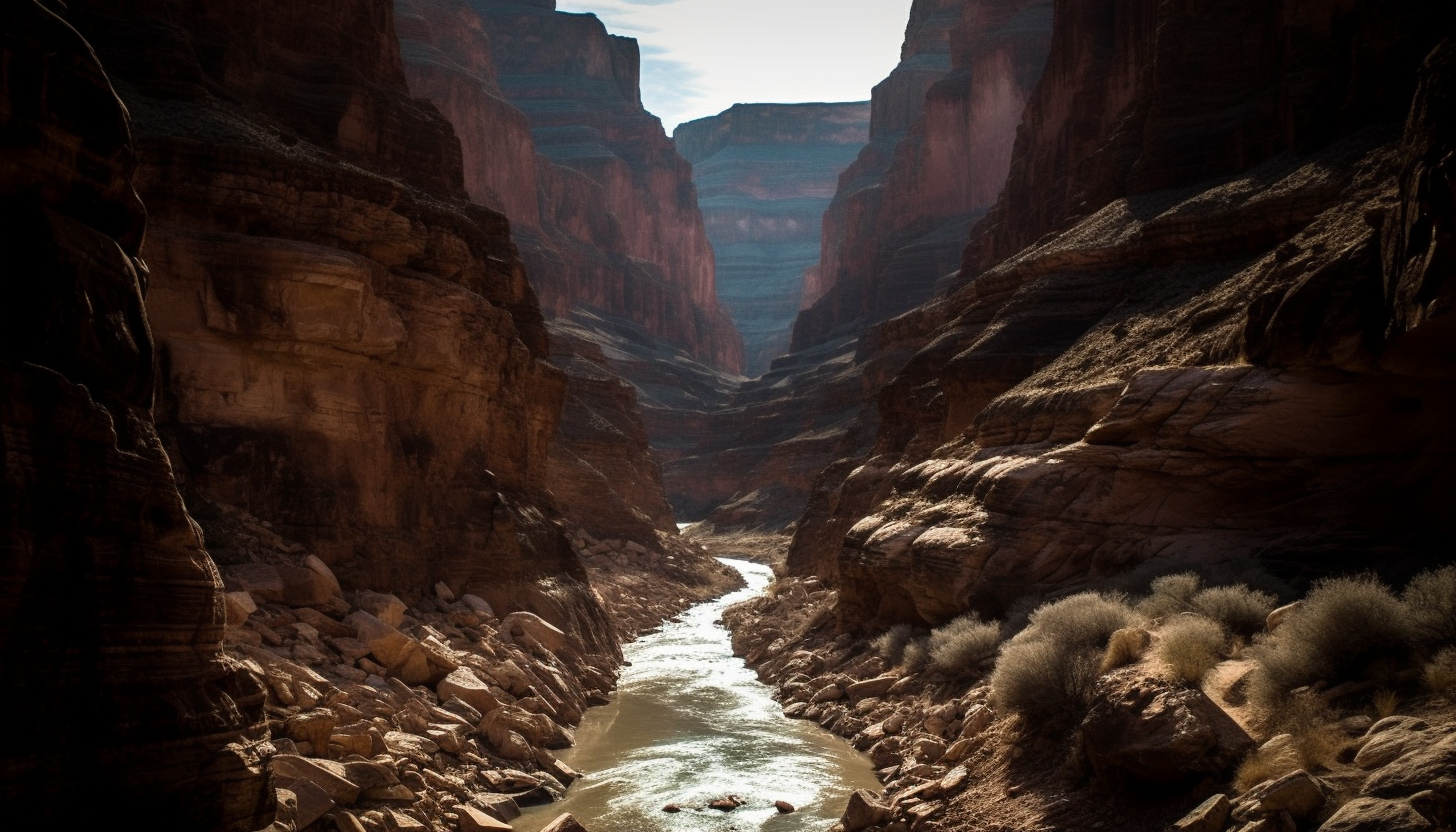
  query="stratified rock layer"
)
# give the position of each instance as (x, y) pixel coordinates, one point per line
(357, 359)
(555, 135)
(765, 175)
(1219, 363)
(110, 609)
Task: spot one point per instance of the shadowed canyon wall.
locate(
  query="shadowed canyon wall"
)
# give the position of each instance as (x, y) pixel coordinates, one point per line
(355, 358)
(941, 131)
(1219, 355)
(554, 134)
(111, 616)
(765, 175)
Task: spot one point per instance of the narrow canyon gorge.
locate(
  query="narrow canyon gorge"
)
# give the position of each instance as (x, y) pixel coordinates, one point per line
(375, 371)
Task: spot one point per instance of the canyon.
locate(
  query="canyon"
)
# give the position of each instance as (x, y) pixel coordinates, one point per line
(360, 359)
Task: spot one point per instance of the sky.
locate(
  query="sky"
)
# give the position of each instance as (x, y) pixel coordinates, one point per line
(700, 57)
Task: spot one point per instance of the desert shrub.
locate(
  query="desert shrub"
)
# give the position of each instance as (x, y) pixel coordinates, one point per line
(1384, 702)
(1049, 683)
(1349, 628)
(1191, 646)
(1440, 674)
(890, 645)
(1124, 647)
(1085, 620)
(917, 654)
(1306, 736)
(1169, 595)
(1430, 602)
(962, 644)
(1240, 610)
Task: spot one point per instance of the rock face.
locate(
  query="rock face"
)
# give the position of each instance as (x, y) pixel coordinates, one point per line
(354, 358)
(602, 205)
(1216, 356)
(940, 139)
(765, 175)
(941, 136)
(111, 614)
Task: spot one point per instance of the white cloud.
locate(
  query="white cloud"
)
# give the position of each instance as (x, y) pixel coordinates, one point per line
(702, 56)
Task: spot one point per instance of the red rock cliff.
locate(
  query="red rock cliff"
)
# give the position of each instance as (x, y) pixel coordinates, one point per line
(1211, 358)
(606, 214)
(110, 609)
(355, 358)
(940, 146)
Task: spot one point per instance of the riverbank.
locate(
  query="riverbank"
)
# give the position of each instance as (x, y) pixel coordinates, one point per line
(435, 715)
(690, 724)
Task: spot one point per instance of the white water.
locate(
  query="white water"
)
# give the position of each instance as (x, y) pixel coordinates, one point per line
(690, 723)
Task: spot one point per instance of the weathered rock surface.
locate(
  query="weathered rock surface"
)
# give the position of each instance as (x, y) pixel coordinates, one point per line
(111, 612)
(1187, 373)
(601, 202)
(357, 359)
(765, 174)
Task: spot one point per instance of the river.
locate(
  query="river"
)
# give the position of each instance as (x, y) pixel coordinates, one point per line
(690, 723)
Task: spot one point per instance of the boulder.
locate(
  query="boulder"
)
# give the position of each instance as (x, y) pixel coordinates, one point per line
(784, 807)
(475, 820)
(313, 727)
(313, 801)
(872, 688)
(259, 580)
(443, 592)
(863, 811)
(477, 604)
(464, 684)
(240, 605)
(330, 777)
(1386, 746)
(386, 608)
(519, 624)
(1430, 768)
(1147, 731)
(1299, 794)
(1373, 814)
(367, 774)
(1210, 816)
(726, 804)
(414, 747)
(400, 655)
(565, 823)
(499, 806)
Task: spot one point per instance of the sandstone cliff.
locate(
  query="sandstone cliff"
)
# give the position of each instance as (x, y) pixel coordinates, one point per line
(602, 205)
(356, 359)
(765, 175)
(941, 130)
(941, 134)
(1214, 359)
(110, 610)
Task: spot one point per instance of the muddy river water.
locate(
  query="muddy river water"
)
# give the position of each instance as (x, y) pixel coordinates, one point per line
(689, 724)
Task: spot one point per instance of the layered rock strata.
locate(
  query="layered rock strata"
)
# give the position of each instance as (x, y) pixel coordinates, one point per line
(556, 136)
(941, 135)
(110, 609)
(765, 175)
(1202, 369)
(357, 359)
(941, 131)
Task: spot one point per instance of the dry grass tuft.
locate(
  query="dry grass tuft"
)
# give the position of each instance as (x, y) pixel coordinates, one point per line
(1384, 702)
(891, 644)
(1124, 647)
(1191, 645)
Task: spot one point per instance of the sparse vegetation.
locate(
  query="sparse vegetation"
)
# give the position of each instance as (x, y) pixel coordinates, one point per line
(1191, 646)
(1384, 702)
(960, 646)
(1430, 602)
(917, 654)
(1440, 674)
(1047, 672)
(890, 645)
(1240, 610)
(1350, 628)
(1170, 595)
(1307, 736)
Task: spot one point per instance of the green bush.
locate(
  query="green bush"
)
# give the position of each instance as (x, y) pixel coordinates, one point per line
(1430, 602)
(1348, 628)
(1049, 683)
(1191, 646)
(1242, 611)
(891, 644)
(1169, 595)
(962, 644)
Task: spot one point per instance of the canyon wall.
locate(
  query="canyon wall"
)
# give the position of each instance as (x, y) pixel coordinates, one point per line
(554, 134)
(111, 617)
(354, 358)
(941, 134)
(765, 175)
(941, 130)
(1212, 351)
